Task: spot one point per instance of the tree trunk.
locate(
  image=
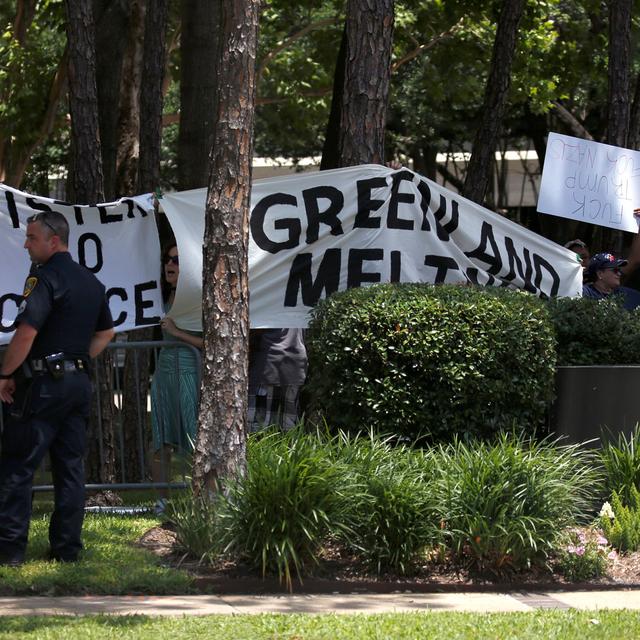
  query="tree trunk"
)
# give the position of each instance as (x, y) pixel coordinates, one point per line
(112, 25)
(618, 97)
(128, 151)
(151, 95)
(619, 71)
(633, 140)
(136, 367)
(87, 185)
(220, 451)
(330, 150)
(495, 99)
(365, 92)
(198, 82)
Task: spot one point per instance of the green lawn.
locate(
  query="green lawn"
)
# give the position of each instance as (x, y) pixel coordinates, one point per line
(564, 625)
(110, 563)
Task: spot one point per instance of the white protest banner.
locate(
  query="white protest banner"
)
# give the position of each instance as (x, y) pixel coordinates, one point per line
(316, 233)
(117, 241)
(590, 182)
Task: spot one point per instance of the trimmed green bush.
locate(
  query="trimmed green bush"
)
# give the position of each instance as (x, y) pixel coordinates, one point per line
(505, 504)
(590, 332)
(435, 361)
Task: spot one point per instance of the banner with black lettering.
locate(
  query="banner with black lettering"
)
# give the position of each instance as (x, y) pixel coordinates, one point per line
(117, 241)
(316, 233)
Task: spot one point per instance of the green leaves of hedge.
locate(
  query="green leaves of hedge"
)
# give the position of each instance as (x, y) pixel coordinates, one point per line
(423, 360)
(593, 332)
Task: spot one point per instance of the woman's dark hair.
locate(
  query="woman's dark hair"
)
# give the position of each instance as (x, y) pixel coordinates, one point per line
(164, 285)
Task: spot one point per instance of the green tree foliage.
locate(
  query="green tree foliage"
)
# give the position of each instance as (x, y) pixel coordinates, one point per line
(31, 49)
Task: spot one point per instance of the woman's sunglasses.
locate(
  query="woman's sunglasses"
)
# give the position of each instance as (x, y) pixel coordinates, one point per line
(172, 259)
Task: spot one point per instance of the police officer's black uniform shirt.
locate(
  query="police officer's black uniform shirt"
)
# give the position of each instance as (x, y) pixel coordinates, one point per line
(66, 303)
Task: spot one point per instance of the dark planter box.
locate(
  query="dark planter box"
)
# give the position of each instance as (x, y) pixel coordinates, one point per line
(597, 402)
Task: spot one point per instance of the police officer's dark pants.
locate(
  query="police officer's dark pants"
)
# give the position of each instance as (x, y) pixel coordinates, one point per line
(56, 422)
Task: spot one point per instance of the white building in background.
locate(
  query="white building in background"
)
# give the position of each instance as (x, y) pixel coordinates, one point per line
(519, 171)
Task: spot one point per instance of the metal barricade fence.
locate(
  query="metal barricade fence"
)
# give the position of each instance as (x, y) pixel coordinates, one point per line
(109, 419)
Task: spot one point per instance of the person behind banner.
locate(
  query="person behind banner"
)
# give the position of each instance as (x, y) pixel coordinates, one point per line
(277, 371)
(581, 249)
(62, 322)
(175, 384)
(603, 276)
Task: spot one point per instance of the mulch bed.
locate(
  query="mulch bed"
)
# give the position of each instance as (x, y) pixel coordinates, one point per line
(339, 573)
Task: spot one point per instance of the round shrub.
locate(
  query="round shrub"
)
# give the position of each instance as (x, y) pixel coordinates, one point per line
(430, 361)
(595, 331)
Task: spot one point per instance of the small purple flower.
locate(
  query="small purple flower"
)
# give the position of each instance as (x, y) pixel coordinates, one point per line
(612, 555)
(580, 550)
(602, 541)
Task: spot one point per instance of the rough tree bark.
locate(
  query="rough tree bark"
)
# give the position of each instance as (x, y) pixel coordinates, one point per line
(88, 187)
(619, 71)
(112, 24)
(495, 99)
(633, 139)
(128, 150)
(151, 95)
(618, 107)
(198, 82)
(361, 102)
(136, 369)
(220, 451)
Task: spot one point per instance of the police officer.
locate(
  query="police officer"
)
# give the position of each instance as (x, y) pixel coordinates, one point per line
(62, 322)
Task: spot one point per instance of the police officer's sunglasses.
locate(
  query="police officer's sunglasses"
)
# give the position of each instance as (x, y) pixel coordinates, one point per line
(42, 217)
(172, 259)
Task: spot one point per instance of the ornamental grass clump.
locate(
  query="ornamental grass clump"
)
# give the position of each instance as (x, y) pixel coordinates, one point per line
(433, 361)
(393, 512)
(504, 504)
(621, 462)
(197, 523)
(290, 501)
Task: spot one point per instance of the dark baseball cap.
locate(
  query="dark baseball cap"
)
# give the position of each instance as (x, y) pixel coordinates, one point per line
(604, 261)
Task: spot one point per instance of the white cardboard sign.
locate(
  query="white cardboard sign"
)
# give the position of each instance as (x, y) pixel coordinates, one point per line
(590, 182)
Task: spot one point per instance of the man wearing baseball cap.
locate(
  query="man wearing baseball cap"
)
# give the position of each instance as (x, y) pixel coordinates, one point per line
(602, 278)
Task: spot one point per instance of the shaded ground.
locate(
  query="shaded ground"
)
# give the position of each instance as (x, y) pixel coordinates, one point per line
(338, 573)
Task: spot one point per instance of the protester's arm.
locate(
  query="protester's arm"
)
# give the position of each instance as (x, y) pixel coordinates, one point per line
(634, 253)
(16, 353)
(169, 326)
(99, 341)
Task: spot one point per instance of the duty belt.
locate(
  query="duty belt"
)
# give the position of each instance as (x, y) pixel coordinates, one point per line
(38, 365)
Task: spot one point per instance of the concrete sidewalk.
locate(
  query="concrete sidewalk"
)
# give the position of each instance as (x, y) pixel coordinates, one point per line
(350, 603)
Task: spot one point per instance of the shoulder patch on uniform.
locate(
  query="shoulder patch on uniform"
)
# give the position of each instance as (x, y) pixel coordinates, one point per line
(29, 285)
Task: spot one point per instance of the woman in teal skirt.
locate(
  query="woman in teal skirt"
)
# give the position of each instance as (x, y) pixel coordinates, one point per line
(175, 385)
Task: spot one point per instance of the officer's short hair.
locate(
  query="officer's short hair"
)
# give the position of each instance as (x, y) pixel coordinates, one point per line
(54, 222)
